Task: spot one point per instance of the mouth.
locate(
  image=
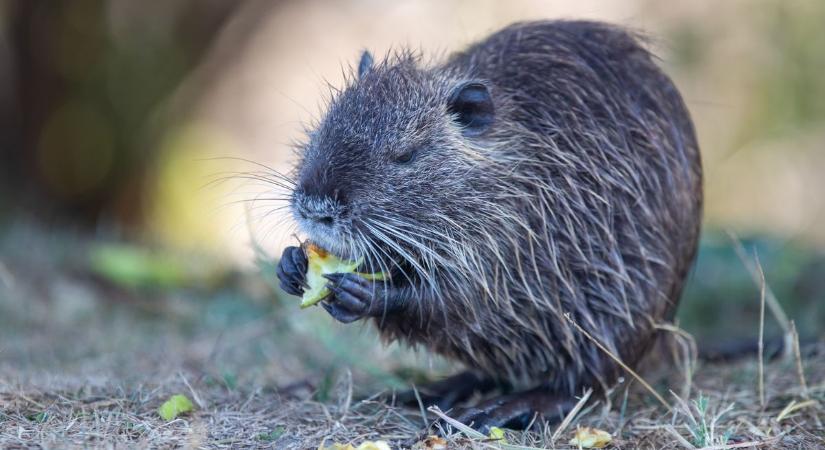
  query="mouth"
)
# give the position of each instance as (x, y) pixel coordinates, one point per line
(324, 224)
(343, 245)
(341, 237)
(330, 237)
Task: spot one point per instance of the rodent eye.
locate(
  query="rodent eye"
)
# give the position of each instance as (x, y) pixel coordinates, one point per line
(406, 157)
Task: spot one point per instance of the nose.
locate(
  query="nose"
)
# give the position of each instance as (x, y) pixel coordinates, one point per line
(320, 210)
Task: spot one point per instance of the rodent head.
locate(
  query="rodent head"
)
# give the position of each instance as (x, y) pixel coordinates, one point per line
(389, 167)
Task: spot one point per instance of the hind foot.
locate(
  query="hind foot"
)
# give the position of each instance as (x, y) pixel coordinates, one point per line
(449, 392)
(516, 411)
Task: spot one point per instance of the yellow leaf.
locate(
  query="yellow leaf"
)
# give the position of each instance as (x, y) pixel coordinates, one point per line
(366, 445)
(587, 437)
(432, 443)
(370, 445)
(337, 446)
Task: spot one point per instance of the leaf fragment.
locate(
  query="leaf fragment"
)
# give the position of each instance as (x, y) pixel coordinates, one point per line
(176, 405)
(497, 434)
(321, 262)
(366, 445)
(587, 437)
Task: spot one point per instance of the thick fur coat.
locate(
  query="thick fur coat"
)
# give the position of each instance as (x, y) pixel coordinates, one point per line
(580, 195)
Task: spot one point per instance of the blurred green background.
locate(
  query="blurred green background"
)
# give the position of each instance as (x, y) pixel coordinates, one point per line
(122, 120)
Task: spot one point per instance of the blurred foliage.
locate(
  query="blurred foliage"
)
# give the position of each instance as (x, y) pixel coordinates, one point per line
(105, 102)
(91, 77)
(722, 300)
(788, 92)
(688, 46)
(751, 74)
(131, 267)
(189, 189)
(780, 68)
(139, 267)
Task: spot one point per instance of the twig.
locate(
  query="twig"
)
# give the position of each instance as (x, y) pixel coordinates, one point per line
(195, 395)
(740, 445)
(761, 348)
(794, 406)
(475, 434)
(803, 385)
(684, 442)
(687, 343)
(456, 424)
(420, 406)
(773, 303)
(571, 415)
(348, 399)
(619, 362)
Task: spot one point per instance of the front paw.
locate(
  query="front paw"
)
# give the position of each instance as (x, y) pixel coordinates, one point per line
(292, 270)
(355, 297)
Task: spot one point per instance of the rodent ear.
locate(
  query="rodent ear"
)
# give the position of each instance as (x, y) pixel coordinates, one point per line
(366, 63)
(472, 106)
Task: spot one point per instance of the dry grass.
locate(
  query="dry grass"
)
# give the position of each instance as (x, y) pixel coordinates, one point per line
(67, 411)
(85, 365)
(117, 415)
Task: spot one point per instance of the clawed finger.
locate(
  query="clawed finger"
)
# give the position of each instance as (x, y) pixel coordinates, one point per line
(340, 313)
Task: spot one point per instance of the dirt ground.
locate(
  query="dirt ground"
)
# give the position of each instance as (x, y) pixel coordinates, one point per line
(86, 361)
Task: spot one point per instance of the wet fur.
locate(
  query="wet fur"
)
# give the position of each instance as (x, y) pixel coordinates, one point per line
(583, 197)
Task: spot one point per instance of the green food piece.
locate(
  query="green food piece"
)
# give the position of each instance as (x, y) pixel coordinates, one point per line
(175, 406)
(377, 276)
(319, 263)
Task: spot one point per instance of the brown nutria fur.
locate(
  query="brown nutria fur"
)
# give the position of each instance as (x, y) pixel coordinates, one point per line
(550, 168)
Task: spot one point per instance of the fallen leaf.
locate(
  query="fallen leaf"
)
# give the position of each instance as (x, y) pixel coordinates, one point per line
(431, 443)
(587, 437)
(175, 406)
(377, 445)
(366, 445)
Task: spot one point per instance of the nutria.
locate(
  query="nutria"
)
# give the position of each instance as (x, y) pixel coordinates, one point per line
(551, 168)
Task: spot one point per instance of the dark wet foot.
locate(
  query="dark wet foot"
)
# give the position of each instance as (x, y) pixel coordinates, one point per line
(515, 411)
(448, 392)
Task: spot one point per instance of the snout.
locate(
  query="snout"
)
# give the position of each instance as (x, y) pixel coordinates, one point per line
(316, 210)
(324, 220)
